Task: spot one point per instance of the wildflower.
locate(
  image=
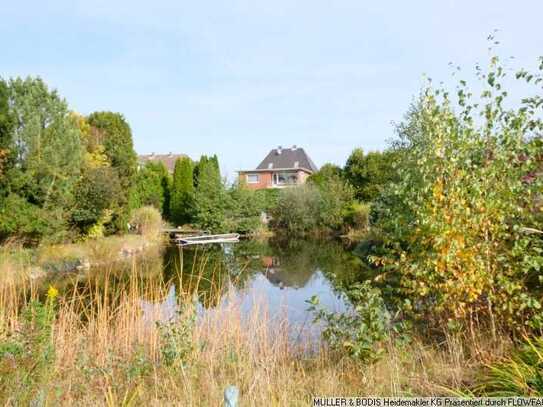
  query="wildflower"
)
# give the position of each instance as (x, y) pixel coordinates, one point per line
(52, 293)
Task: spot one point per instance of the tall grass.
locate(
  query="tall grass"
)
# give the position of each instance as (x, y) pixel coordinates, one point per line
(112, 343)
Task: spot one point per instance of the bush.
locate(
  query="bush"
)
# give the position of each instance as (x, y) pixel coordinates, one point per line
(362, 333)
(312, 208)
(357, 215)
(297, 210)
(245, 209)
(147, 221)
(462, 231)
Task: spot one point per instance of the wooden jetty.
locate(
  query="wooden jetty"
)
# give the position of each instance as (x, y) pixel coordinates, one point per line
(206, 239)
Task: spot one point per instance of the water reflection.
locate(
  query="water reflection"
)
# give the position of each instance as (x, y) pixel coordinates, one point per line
(277, 278)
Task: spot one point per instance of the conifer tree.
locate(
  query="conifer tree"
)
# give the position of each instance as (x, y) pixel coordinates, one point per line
(182, 195)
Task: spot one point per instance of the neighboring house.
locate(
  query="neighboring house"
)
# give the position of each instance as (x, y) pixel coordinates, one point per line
(167, 159)
(282, 167)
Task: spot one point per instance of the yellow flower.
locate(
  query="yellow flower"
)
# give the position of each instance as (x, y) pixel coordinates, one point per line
(52, 293)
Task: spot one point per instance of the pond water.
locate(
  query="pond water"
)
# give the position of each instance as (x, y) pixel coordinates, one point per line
(274, 278)
(277, 279)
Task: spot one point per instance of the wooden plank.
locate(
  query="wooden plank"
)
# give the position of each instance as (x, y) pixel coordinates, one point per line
(207, 239)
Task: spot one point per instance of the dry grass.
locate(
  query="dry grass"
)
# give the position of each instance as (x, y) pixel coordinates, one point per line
(109, 351)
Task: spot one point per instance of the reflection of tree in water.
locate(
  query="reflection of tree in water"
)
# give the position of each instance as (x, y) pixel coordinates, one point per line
(298, 260)
(140, 277)
(205, 271)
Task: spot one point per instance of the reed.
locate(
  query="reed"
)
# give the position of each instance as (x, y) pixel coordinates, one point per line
(121, 338)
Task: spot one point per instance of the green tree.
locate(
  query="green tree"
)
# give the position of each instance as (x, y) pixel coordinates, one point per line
(116, 138)
(369, 173)
(462, 228)
(297, 210)
(148, 190)
(211, 199)
(245, 209)
(200, 164)
(182, 197)
(6, 128)
(96, 193)
(165, 184)
(45, 143)
(327, 172)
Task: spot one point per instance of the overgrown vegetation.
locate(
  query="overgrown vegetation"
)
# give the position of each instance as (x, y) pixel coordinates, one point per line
(462, 226)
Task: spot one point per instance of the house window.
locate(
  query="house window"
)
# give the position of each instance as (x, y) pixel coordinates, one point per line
(252, 179)
(282, 178)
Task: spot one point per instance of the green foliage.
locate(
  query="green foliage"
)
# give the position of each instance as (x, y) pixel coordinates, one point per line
(147, 221)
(297, 210)
(269, 198)
(357, 215)
(182, 195)
(176, 340)
(336, 197)
(312, 208)
(326, 173)
(149, 188)
(520, 374)
(97, 194)
(461, 224)
(45, 158)
(369, 173)
(116, 138)
(245, 209)
(361, 333)
(6, 129)
(165, 183)
(26, 357)
(210, 198)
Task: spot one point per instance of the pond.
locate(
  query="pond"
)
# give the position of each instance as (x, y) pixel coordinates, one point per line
(274, 278)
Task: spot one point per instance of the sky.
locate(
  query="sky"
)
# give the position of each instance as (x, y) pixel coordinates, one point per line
(237, 78)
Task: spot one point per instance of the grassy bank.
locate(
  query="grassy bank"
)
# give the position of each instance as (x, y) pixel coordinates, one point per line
(19, 264)
(102, 344)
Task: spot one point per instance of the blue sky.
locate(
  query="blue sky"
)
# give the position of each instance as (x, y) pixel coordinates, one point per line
(239, 77)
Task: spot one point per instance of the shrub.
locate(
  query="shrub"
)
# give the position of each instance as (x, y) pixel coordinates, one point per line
(357, 215)
(460, 232)
(312, 207)
(147, 221)
(361, 333)
(245, 209)
(297, 210)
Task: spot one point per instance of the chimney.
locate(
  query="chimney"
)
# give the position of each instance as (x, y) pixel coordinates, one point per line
(279, 150)
(294, 147)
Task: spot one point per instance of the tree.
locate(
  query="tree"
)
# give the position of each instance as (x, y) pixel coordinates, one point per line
(6, 127)
(44, 144)
(182, 197)
(211, 199)
(200, 164)
(297, 210)
(148, 189)
(369, 173)
(245, 209)
(165, 184)
(96, 193)
(327, 172)
(462, 227)
(116, 138)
